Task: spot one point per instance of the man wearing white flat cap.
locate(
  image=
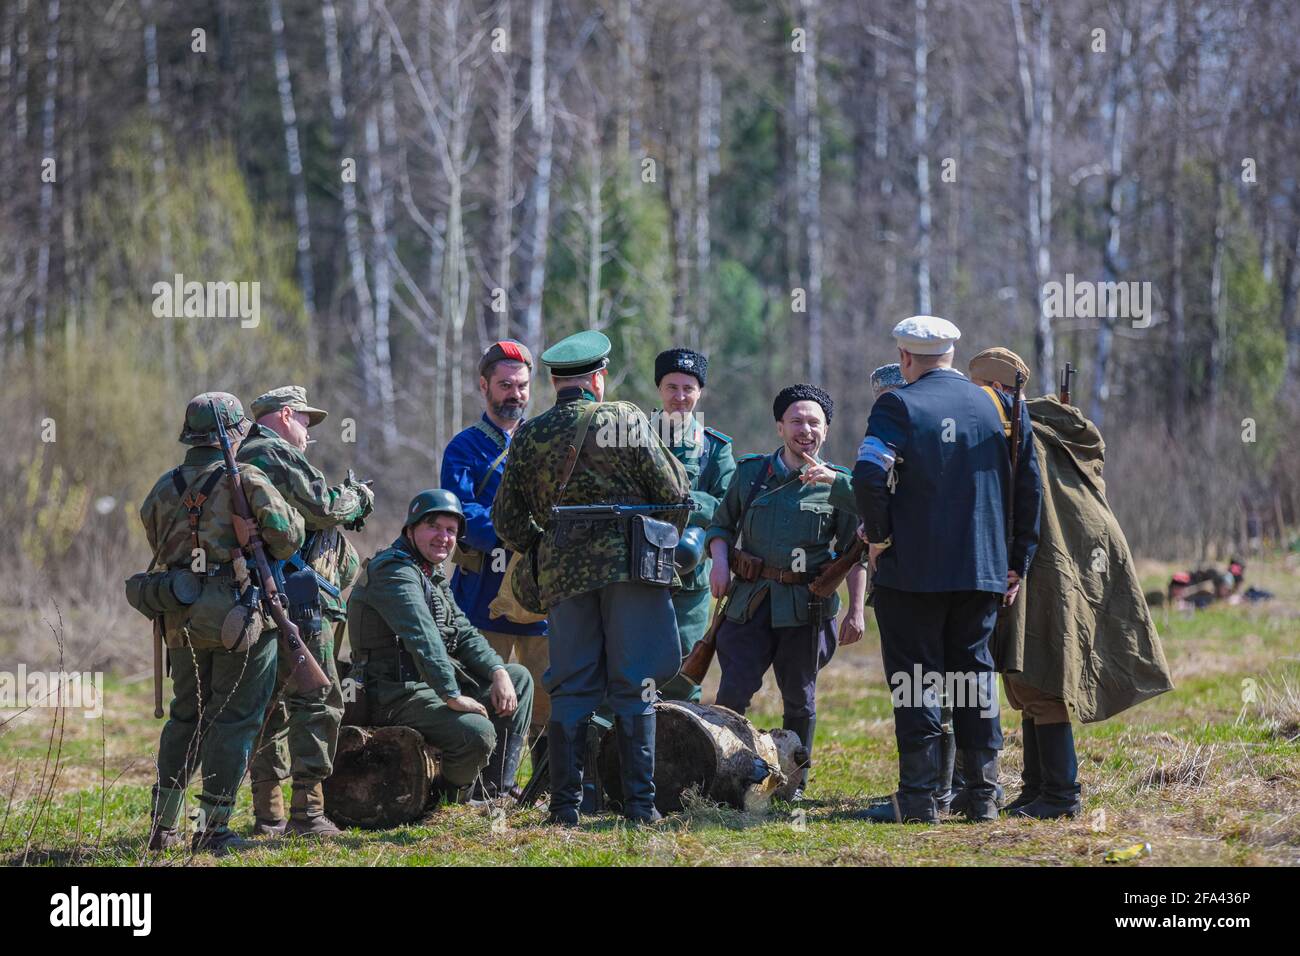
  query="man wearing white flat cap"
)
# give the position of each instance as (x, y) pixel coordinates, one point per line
(942, 561)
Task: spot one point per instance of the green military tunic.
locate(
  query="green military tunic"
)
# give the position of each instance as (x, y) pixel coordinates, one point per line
(582, 556)
(219, 696)
(790, 526)
(307, 725)
(414, 649)
(707, 457)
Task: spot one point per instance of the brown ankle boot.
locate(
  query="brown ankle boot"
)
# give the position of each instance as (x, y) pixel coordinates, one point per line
(307, 812)
(268, 808)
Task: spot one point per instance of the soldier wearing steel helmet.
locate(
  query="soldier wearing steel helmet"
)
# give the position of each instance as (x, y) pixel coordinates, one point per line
(220, 690)
(425, 666)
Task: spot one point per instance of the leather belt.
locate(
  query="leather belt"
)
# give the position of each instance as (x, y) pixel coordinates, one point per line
(786, 577)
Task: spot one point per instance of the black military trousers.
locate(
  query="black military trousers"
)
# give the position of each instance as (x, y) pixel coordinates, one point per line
(937, 640)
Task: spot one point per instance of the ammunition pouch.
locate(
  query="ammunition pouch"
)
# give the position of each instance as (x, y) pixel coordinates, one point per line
(653, 548)
(303, 592)
(748, 567)
(160, 592)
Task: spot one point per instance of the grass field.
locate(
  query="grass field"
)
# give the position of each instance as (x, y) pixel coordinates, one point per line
(1208, 775)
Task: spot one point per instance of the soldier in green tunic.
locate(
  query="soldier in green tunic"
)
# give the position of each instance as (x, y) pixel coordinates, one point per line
(785, 516)
(706, 455)
(304, 725)
(424, 665)
(613, 638)
(220, 694)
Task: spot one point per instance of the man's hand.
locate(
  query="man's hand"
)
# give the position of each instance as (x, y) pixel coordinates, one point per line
(467, 705)
(504, 700)
(852, 626)
(1013, 588)
(816, 472)
(245, 530)
(874, 551)
(719, 577)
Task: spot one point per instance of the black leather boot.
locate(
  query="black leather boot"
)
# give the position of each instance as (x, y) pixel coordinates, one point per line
(805, 727)
(1060, 775)
(981, 768)
(636, 754)
(947, 769)
(918, 782)
(499, 775)
(1031, 777)
(564, 754)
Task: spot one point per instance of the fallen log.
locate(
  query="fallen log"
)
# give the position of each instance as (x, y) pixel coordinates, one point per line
(716, 751)
(382, 777)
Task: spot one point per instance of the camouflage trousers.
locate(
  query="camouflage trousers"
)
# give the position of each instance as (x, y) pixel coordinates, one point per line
(464, 740)
(692, 608)
(300, 732)
(218, 704)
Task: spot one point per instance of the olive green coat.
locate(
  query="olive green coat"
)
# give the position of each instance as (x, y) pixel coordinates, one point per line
(1080, 629)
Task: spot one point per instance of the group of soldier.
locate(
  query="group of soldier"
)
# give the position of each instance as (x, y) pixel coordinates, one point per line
(930, 496)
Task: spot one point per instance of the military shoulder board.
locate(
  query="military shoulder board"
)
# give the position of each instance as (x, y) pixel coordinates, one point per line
(725, 439)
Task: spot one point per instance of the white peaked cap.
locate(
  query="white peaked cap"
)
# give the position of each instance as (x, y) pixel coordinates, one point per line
(926, 335)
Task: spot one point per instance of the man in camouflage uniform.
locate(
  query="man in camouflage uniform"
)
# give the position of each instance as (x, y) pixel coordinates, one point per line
(424, 665)
(220, 694)
(609, 635)
(706, 455)
(308, 723)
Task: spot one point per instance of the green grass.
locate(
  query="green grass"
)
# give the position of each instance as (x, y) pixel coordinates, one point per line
(1203, 776)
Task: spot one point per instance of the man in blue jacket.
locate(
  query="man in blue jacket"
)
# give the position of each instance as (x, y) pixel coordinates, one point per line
(472, 464)
(932, 482)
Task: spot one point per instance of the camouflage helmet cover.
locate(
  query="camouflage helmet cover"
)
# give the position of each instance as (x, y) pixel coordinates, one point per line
(201, 428)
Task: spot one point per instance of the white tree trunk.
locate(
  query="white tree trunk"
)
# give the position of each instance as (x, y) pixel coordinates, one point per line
(1036, 120)
(503, 127)
(376, 200)
(364, 333)
(46, 214)
(293, 156)
(809, 151)
(543, 122)
(921, 144)
(158, 146)
(1114, 200)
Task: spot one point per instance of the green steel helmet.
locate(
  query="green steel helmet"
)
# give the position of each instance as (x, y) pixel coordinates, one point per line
(201, 428)
(689, 551)
(434, 501)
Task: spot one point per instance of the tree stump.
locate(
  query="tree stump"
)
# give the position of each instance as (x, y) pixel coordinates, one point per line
(382, 777)
(715, 750)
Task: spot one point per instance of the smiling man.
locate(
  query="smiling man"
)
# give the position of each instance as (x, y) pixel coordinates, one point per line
(784, 516)
(425, 666)
(706, 455)
(472, 465)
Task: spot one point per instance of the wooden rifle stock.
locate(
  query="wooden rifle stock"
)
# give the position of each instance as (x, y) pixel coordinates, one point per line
(700, 659)
(830, 578)
(305, 675)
